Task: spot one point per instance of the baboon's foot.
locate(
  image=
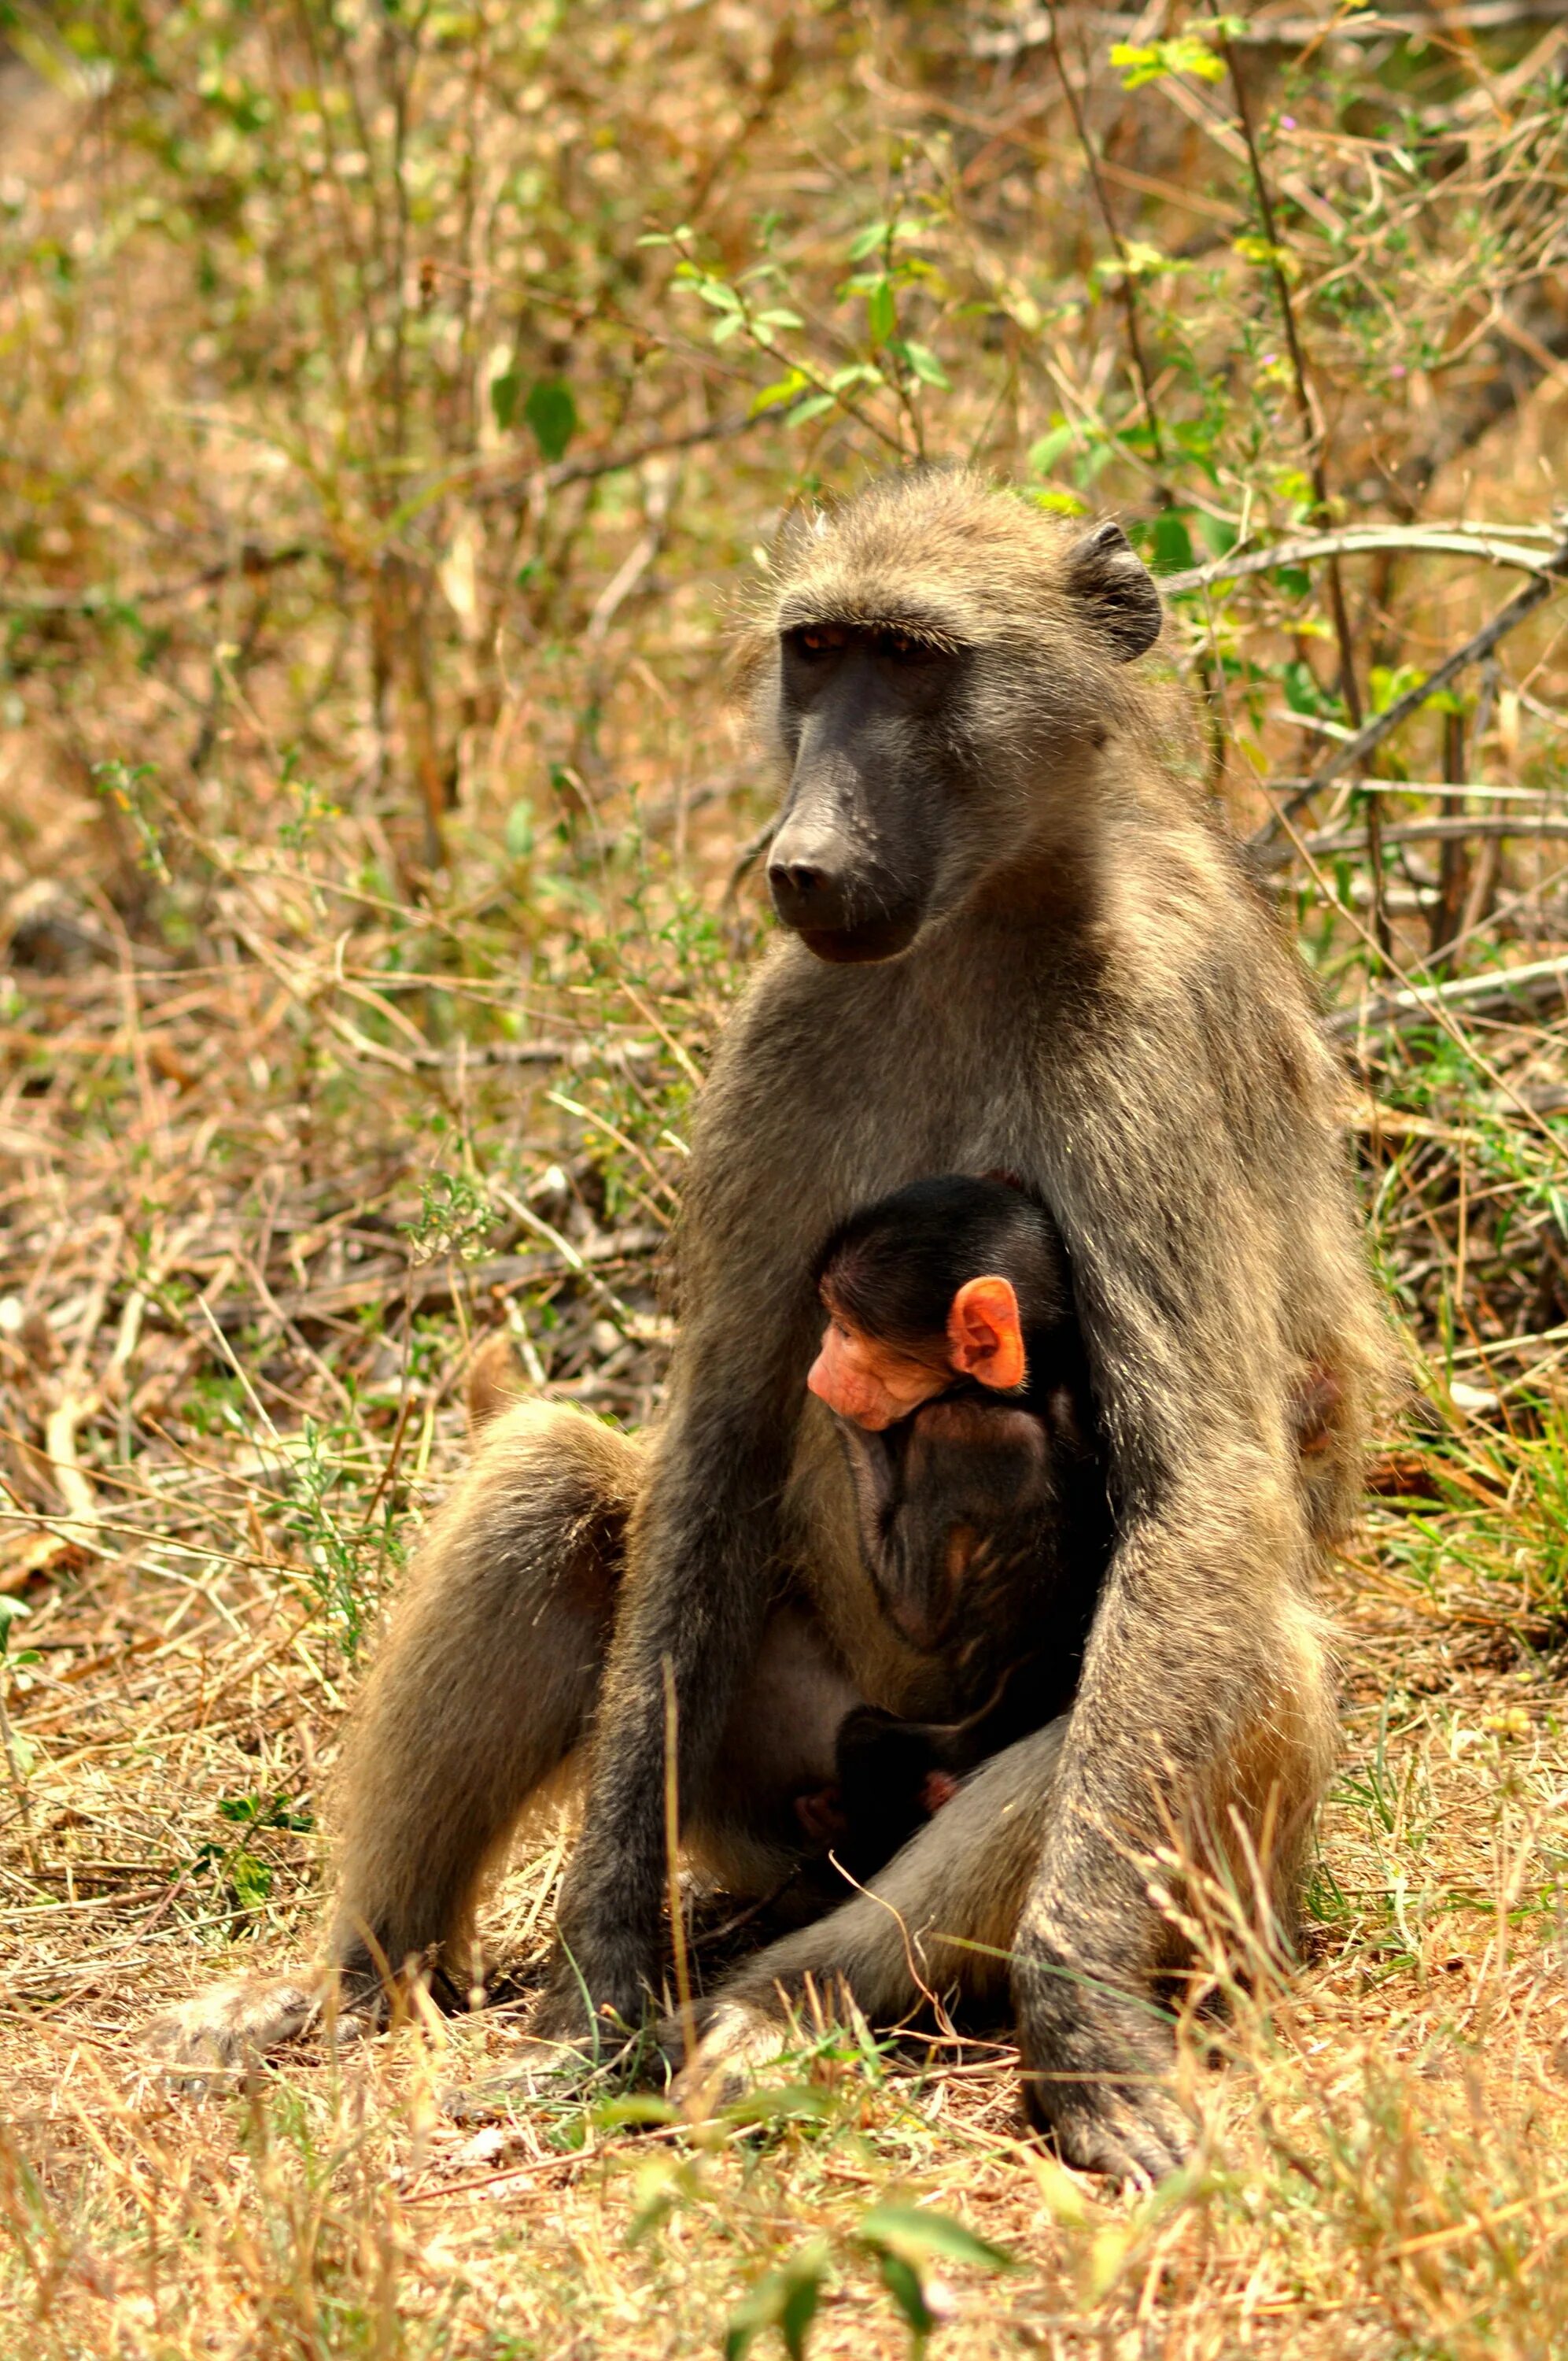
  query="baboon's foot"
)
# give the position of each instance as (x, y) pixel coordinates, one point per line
(600, 2013)
(1102, 2087)
(1136, 2135)
(230, 2024)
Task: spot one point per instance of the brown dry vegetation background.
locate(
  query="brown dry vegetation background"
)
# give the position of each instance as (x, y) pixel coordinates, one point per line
(374, 836)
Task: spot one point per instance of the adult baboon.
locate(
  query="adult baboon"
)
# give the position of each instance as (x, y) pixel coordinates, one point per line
(1013, 939)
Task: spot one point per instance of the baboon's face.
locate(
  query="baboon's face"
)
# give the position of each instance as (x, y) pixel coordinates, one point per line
(856, 862)
(942, 663)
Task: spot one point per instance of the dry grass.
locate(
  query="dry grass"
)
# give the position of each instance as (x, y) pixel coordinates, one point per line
(367, 814)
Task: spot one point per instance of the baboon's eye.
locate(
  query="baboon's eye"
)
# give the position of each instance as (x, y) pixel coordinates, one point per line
(819, 639)
(901, 647)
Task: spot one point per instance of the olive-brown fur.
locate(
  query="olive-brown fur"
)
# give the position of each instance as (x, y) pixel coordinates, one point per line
(1082, 989)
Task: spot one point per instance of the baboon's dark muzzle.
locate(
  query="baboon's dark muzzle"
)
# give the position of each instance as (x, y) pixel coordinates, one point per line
(842, 908)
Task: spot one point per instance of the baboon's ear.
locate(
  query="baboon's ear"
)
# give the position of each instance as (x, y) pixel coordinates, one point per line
(1106, 573)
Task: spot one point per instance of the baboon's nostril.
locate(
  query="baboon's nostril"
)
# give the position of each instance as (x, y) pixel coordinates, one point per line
(804, 880)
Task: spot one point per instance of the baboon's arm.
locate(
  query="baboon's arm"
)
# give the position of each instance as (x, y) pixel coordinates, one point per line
(1183, 1201)
(699, 1556)
(704, 1543)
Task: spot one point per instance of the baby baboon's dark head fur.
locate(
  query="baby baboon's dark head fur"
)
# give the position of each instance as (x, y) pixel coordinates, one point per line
(894, 1267)
(940, 647)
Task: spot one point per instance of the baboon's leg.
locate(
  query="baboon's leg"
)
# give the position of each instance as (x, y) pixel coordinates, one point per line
(481, 1688)
(960, 1907)
(942, 1913)
(1092, 1939)
(482, 1685)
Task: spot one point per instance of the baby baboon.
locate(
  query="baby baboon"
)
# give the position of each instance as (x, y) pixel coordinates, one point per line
(953, 1367)
(1015, 937)
(954, 1372)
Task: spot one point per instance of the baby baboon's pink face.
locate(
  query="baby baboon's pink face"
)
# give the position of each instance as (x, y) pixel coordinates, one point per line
(871, 1383)
(875, 1384)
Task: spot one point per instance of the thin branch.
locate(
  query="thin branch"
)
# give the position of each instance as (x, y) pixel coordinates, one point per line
(1033, 31)
(250, 558)
(1432, 831)
(1498, 544)
(1129, 293)
(1431, 786)
(1311, 436)
(1499, 993)
(1355, 751)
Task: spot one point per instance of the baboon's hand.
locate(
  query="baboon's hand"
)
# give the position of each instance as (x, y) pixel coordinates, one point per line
(735, 2037)
(1097, 2075)
(599, 2012)
(231, 2024)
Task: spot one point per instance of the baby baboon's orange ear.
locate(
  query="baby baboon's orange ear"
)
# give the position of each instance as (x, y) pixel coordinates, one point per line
(984, 1338)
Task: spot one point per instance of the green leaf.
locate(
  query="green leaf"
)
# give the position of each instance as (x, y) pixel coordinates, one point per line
(799, 2311)
(552, 416)
(882, 312)
(902, 2281)
(790, 2103)
(505, 387)
(1043, 455)
(638, 2107)
(804, 411)
(659, 2189)
(251, 1880)
(517, 835)
(914, 2231)
(1302, 693)
(784, 389)
(786, 2300)
(1138, 259)
(1172, 544)
(874, 234)
(1263, 250)
(922, 360)
(1141, 62)
(266, 1811)
(1219, 536)
(857, 373)
(11, 1610)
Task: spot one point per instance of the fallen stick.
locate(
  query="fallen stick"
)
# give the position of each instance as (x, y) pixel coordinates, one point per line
(1542, 826)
